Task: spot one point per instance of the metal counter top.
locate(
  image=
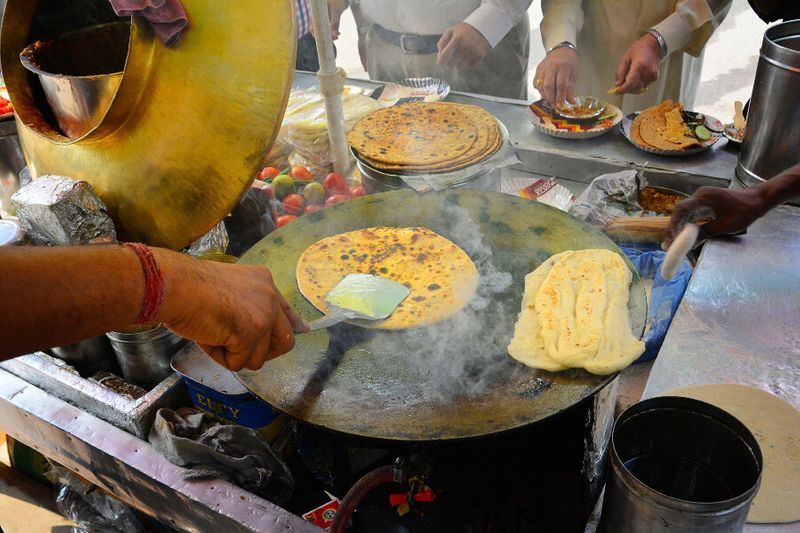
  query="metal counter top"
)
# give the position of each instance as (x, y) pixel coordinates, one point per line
(739, 321)
(582, 161)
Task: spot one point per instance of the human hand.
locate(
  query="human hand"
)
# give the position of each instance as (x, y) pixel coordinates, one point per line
(556, 76)
(462, 46)
(234, 312)
(335, 10)
(639, 66)
(733, 212)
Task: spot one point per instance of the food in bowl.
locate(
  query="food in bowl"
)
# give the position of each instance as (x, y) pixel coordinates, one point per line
(659, 200)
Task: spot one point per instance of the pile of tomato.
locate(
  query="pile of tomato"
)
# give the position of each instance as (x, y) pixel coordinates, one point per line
(295, 191)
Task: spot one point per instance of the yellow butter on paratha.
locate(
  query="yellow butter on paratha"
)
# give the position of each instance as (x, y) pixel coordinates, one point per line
(440, 275)
(575, 314)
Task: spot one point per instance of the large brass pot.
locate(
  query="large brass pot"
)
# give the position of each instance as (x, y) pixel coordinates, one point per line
(188, 126)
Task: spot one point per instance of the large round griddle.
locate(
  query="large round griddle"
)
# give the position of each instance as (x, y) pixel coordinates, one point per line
(452, 380)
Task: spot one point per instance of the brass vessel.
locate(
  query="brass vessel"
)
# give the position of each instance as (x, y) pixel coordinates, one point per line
(188, 126)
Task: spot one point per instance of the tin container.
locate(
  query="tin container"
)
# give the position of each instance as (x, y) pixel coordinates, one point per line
(216, 390)
(679, 464)
(773, 121)
(144, 356)
(80, 72)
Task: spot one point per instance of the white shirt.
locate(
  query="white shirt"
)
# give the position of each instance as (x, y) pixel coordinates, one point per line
(492, 18)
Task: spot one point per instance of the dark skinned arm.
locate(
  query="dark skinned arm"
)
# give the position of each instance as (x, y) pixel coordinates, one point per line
(735, 210)
(55, 296)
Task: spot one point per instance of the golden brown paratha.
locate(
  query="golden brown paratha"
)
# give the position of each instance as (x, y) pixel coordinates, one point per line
(663, 127)
(420, 137)
(441, 276)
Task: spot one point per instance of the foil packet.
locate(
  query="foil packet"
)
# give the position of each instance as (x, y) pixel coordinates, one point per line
(56, 210)
(213, 242)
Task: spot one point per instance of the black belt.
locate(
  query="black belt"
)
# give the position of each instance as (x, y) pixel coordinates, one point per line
(409, 43)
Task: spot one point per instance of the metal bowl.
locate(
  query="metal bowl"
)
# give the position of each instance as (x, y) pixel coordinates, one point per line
(80, 72)
(570, 111)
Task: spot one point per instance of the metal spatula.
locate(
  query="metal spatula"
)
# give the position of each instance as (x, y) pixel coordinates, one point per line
(362, 296)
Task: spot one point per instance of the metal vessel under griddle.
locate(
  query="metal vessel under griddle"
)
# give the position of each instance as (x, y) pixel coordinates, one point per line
(453, 380)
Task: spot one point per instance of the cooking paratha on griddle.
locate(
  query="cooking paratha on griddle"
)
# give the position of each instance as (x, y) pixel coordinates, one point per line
(420, 137)
(440, 275)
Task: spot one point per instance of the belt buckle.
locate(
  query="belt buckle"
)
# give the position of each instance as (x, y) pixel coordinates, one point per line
(403, 44)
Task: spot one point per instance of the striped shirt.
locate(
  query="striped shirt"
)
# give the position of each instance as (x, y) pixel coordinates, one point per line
(302, 12)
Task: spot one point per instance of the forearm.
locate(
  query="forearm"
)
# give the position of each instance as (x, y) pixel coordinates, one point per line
(54, 296)
(495, 18)
(779, 189)
(690, 26)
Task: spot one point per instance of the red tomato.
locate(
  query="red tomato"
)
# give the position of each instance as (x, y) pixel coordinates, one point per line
(357, 191)
(335, 184)
(284, 219)
(294, 204)
(335, 199)
(310, 208)
(299, 172)
(268, 173)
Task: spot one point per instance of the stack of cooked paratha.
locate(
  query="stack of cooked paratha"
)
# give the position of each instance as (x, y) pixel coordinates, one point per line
(419, 137)
(663, 127)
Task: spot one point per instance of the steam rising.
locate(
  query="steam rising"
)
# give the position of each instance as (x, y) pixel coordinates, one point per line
(466, 354)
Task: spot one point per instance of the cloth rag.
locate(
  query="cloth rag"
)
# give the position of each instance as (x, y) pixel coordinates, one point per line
(167, 17)
(208, 448)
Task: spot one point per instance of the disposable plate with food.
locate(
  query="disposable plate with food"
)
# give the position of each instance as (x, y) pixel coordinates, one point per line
(412, 90)
(553, 123)
(713, 126)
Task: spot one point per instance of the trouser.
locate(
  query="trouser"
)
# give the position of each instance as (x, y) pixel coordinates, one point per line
(503, 72)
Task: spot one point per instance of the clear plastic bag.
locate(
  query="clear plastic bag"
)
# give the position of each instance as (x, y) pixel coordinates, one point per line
(305, 126)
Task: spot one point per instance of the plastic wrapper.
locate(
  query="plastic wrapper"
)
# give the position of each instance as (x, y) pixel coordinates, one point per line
(665, 296)
(305, 126)
(543, 190)
(91, 509)
(55, 210)
(610, 196)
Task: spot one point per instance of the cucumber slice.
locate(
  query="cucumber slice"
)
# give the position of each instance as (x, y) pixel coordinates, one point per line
(702, 133)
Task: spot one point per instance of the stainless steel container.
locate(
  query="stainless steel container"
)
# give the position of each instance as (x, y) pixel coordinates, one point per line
(679, 464)
(144, 357)
(80, 72)
(374, 181)
(773, 122)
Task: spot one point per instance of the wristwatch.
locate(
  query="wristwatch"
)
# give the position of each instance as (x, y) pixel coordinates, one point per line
(662, 44)
(564, 44)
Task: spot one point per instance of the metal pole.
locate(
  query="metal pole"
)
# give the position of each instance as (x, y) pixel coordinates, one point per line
(331, 81)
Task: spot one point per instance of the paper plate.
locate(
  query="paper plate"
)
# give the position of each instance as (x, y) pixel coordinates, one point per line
(412, 90)
(713, 124)
(560, 128)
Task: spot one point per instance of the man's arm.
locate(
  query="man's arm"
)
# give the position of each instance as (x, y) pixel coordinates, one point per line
(557, 74)
(687, 29)
(735, 210)
(55, 296)
(467, 43)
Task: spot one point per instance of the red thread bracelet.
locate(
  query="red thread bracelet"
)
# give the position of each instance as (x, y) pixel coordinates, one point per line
(153, 284)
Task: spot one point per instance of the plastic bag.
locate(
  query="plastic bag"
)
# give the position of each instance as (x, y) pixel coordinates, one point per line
(91, 509)
(610, 196)
(305, 125)
(665, 296)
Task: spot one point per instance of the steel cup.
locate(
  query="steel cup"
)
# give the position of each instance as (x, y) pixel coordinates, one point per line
(144, 357)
